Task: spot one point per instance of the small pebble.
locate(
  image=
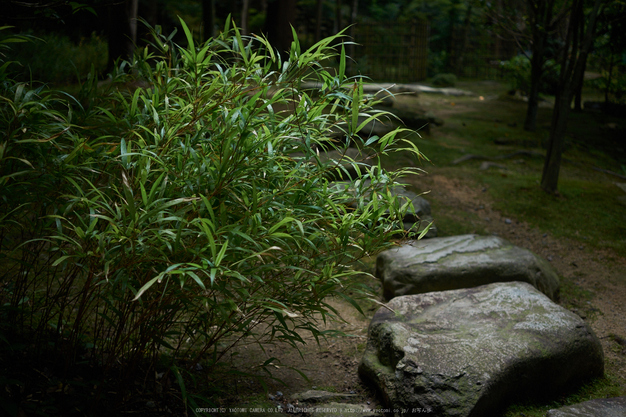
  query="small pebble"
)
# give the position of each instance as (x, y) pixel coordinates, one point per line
(507, 221)
(150, 404)
(279, 394)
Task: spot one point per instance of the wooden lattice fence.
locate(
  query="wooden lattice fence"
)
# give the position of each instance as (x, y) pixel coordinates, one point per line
(391, 52)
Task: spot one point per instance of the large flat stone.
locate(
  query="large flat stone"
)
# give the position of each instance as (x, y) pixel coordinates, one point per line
(447, 263)
(602, 407)
(317, 396)
(471, 352)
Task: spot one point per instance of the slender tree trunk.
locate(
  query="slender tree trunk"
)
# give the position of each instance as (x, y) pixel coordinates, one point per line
(281, 14)
(351, 48)
(133, 8)
(244, 16)
(572, 65)
(208, 18)
(541, 13)
(354, 11)
(579, 90)
(318, 22)
(578, 82)
(536, 73)
(338, 23)
(552, 165)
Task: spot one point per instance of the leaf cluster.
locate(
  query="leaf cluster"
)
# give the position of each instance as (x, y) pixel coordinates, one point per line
(184, 207)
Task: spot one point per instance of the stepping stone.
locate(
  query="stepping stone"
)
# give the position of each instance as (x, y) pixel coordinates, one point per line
(316, 396)
(323, 403)
(464, 261)
(471, 352)
(603, 407)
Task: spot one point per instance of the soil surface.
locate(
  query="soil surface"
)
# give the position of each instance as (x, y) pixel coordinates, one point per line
(593, 286)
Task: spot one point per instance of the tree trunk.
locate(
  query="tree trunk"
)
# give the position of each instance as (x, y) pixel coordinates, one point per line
(338, 23)
(541, 13)
(208, 18)
(536, 73)
(281, 14)
(244, 17)
(572, 65)
(579, 90)
(552, 165)
(133, 8)
(352, 47)
(318, 22)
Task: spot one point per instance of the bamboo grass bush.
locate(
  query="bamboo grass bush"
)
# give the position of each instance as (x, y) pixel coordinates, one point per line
(183, 217)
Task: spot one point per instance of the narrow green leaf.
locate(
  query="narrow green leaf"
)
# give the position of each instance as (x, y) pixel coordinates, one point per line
(241, 47)
(146, 287)
(124, 153)
(279, 224)
(144, 195)
(342, 64)
(181, 383)
(356, 99)
(371, 139)
(349, 300)
(203, 52)
(425, 231)
(190, 45)
(196, 278)
(220, 256)
(295, 44)
(61, 260)
(128, 193)
(212, 275)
